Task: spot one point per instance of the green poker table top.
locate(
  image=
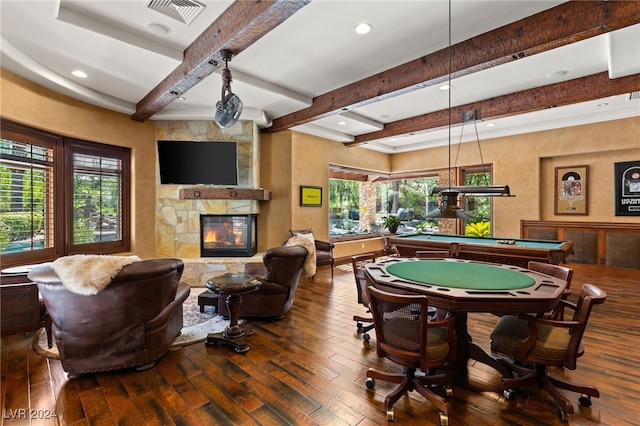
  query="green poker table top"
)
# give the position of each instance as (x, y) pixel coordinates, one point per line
(468, 286)
(464, 275)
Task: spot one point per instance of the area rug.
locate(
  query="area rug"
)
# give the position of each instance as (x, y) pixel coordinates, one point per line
(196, 326)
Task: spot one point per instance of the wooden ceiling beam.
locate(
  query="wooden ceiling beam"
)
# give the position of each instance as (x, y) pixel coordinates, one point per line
(565, 24)
(237, 28)
(569, 92)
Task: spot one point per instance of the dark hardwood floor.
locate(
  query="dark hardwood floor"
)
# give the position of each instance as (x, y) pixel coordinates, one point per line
(309, 368)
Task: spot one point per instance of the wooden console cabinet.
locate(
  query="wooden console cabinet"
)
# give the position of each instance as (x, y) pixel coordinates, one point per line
(594, 243)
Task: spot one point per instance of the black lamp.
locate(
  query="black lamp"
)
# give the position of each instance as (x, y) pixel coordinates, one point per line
(476, 191)
(449, 195)
(448, 208)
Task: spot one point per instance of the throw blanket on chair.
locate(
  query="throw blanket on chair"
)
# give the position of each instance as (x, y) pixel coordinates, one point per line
(87, 274)
(309, 266)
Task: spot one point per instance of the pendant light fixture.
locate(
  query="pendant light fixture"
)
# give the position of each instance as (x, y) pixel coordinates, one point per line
(449, 208)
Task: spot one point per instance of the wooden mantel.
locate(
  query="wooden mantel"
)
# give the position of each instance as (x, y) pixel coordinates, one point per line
(204, 193)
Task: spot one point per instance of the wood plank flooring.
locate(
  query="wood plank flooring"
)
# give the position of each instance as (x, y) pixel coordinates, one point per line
(309, 369)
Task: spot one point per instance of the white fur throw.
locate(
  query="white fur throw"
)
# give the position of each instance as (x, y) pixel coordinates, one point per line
(309, 267)
(87, 274)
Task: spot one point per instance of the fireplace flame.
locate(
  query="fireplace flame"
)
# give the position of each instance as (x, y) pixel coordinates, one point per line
(223, 237)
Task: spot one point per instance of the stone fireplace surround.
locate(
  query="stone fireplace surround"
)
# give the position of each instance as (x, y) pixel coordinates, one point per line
(177, 219)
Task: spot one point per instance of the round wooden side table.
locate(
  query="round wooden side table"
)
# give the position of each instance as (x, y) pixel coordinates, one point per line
(233, 286)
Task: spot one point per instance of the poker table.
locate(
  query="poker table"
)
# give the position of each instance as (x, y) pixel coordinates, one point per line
(510, 251)
(463, 286)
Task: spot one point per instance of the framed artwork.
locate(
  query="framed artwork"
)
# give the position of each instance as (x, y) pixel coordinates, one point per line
(572, 190)
(310, 196)
(627, 183)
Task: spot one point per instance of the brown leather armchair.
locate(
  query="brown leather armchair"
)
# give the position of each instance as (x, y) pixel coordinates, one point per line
(279, 272)
(324, 249)
(130, 323)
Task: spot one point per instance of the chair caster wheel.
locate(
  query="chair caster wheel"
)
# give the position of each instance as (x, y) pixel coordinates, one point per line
(444, 419)
(510, 394)
(366, 337)
(447, 391)
(585, 400)
(562, 415)
(370, 383)
(391, 415)
(359, 327)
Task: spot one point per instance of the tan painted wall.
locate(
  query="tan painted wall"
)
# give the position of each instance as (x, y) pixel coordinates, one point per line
(291, 159)
(33, 105)
(275, 175)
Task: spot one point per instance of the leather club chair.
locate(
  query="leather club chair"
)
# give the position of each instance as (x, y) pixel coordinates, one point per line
(130, 323)
(324, 249)
(279, 272)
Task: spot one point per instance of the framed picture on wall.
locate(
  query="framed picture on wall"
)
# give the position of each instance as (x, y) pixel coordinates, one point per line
(310, 196)
(627, 183)
(572, 190)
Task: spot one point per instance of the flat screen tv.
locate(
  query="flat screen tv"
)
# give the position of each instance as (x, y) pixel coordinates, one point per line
(198, 163)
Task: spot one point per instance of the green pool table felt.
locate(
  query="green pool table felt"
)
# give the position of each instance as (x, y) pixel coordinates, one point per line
(473, 276)
(542, 244)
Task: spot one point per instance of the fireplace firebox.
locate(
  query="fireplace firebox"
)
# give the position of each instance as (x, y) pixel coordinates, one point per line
(228, 235)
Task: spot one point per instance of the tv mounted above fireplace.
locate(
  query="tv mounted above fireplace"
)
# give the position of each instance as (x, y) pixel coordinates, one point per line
(198, 163)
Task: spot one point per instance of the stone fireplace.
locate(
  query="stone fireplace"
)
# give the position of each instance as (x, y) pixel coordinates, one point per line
(178, 216)
(228, 235)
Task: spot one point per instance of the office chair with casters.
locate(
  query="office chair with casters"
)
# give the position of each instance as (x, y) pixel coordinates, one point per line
(363, 324)
(556, 271)
(406, 336)
(432, 254)
(542, 343)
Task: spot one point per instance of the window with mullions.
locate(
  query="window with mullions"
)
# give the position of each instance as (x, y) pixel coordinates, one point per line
(360, 206)
(60, 196)
(478, 207)
(97, 198)
(26, 204)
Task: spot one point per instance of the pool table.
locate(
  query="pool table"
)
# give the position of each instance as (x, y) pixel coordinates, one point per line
(496, 250)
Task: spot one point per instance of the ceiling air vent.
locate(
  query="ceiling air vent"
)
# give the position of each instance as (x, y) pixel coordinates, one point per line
(182, 10)
(634, 95)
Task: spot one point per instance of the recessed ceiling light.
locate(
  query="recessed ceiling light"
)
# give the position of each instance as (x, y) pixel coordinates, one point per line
(557, 74)
(158, 28)
(491, 124)
(445, 87)
(363, 28)
(79, 74)
(342, 123)
(181, 98)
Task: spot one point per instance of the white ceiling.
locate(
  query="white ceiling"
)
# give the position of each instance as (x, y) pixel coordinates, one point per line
(119, 45)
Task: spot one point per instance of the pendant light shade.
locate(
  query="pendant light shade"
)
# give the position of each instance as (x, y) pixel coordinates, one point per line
(476, 191)
(449, 207)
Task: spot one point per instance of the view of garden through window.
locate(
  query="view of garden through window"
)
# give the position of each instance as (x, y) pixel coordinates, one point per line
(360, 207)
(25, 206)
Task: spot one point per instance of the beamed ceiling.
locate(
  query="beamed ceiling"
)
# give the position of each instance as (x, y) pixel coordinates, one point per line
(298, 64)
